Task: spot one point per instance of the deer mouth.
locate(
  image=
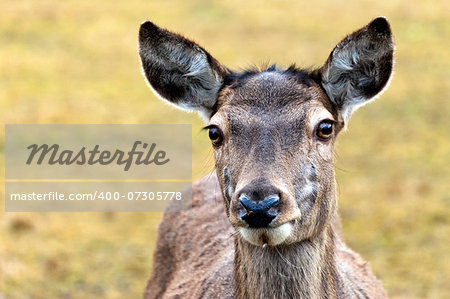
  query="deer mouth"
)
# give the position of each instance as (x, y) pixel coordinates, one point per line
(271, 236)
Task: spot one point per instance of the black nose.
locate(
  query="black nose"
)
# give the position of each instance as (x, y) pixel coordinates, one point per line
(259, 213)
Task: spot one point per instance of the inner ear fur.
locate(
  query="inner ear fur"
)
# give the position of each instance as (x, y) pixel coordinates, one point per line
(178, 70)
(359, 67)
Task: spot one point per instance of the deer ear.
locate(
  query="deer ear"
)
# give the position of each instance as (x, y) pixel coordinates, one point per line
(359, 67)
(178, 70)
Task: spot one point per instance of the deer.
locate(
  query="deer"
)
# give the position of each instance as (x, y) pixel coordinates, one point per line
(264, 224)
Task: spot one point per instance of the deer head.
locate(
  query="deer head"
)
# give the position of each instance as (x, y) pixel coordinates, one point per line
(273, 130)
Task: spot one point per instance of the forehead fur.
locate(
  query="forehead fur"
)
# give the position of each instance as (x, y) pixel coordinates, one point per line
(271, 90)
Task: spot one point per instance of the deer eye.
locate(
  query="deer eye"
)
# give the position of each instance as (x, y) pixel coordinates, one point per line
(325, 130)
(215, 135)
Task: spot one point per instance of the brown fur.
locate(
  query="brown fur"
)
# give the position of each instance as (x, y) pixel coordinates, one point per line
(195, 257)
(270, 146)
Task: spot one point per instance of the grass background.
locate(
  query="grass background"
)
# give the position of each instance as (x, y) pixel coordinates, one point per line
(76, 62)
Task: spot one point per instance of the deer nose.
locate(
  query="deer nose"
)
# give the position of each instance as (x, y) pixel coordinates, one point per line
(259, 213)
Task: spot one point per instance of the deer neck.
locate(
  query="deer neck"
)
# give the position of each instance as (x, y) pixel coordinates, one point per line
(300, 270)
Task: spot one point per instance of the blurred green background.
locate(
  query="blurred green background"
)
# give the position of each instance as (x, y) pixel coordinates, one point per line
(76, 62)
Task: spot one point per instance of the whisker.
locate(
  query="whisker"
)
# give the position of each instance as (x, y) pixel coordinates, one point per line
(286, 260)
(273, 265)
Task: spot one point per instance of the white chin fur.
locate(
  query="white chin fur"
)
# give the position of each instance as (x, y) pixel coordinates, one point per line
(269, 236)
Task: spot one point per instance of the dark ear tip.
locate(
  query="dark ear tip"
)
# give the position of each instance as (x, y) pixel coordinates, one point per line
(147, 28)
(380, 25)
